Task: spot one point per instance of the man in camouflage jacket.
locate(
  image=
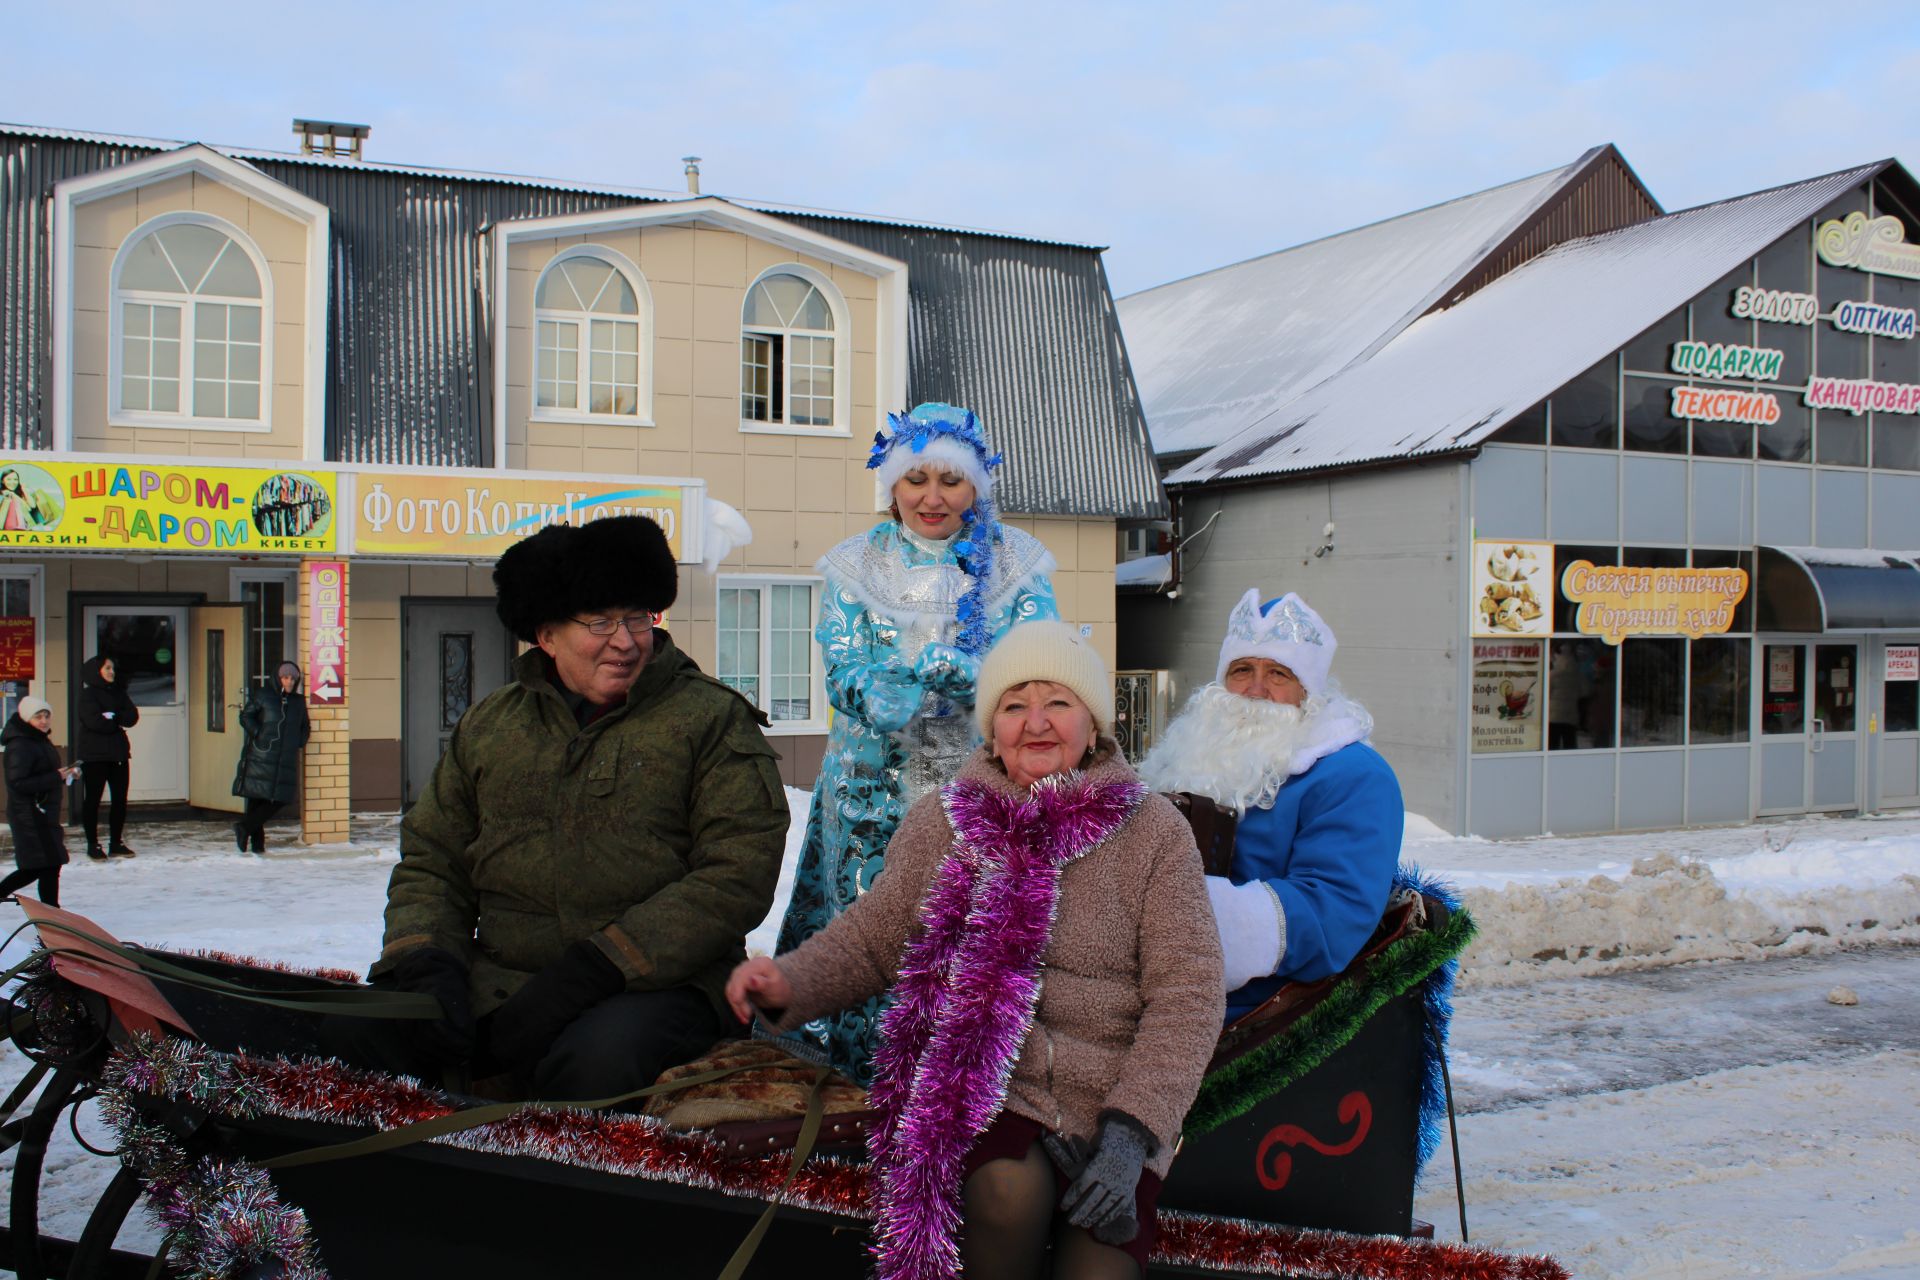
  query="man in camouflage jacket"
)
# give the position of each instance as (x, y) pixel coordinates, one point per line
(578, 879)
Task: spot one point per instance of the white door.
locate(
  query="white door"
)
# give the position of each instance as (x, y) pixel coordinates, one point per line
(146, 645)
(1810, 739)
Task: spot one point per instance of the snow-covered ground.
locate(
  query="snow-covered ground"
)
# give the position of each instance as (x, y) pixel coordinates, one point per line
(1629, 1109)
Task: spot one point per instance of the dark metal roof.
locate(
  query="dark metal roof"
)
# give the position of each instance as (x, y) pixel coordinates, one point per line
(1824, 590)
(1021, 331)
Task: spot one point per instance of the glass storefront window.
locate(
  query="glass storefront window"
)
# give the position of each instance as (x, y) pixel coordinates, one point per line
(1901, 714)
(1586, 412)
(1896, 443)
(1783, 693)
(1717, 689)
(1652, 678)
(1529, 428)
(1709, 559)
(1839, 439)
(1713, 318)
(1565, 610)
(1650, 428)
(1839, 354)
(1787, 263)
(1791, 438)
(1723, 440)
(1580, 679)
(1652, 351)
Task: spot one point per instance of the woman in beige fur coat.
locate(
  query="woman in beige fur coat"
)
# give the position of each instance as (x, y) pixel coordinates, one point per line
(1043, 923)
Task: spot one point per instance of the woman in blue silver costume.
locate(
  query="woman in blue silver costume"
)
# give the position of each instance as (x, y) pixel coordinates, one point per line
(910, 606)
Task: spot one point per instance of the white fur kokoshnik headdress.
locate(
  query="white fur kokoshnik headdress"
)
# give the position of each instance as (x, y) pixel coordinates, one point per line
(1285, 631)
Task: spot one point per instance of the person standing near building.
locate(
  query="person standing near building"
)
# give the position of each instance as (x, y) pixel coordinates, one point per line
(106, 713)
(276, 726)
(1320, 814)
(34, 779)
(909, 608)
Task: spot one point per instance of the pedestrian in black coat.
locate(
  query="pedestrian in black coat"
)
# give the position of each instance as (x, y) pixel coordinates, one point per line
(34, 779)
(100, 744)
(276, 726)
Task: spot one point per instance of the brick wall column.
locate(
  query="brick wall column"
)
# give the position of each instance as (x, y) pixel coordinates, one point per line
(324, 799)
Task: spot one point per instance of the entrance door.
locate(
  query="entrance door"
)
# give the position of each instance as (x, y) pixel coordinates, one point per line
(1809, 726)
(1899, 743)
(455, 653)
(216, 654)
(144, 643)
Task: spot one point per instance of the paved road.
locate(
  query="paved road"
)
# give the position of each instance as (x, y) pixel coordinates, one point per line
(1518, 1045)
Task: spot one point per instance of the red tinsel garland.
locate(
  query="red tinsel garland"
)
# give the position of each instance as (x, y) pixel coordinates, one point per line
(278, 966)
(241, 1085)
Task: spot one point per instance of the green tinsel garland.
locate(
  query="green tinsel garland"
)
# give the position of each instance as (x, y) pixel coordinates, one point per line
(1257, 1075)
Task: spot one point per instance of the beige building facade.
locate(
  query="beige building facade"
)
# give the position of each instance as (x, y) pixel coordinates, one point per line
(719, 368)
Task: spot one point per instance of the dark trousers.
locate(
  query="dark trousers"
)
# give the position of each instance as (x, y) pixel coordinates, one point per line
(619, 1045)
(109, 776)
(255, 820)
(49, 879)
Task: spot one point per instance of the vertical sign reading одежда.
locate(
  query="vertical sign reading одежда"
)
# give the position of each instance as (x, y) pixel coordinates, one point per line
(327, 652)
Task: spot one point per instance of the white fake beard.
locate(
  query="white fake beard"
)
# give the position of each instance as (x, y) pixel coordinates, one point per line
(1235, 751)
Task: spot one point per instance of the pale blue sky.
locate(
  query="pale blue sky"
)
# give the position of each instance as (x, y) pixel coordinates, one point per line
(1183, 136)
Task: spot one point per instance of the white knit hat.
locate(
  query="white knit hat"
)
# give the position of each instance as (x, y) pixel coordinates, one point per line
(1286, 631)
(1052, 651)
(30, 706)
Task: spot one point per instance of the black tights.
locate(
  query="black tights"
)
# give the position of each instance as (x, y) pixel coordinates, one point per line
(109, 776)
(1010, 1217)
(49, 883)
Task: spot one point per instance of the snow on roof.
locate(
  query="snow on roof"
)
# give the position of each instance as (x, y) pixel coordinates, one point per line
(1145, 571)
(517, 179)
(1219, 351)
(1452, 378)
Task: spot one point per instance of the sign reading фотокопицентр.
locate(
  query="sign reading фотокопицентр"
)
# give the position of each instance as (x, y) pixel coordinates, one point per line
(478, 517)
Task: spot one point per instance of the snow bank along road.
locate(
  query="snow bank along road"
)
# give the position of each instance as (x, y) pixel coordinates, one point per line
(1641, 1096)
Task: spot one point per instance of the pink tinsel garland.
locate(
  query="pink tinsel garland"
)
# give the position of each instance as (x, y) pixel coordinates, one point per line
(964, 1001)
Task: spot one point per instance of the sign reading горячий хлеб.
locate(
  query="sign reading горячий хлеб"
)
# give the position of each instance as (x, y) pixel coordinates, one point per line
(1617, 601)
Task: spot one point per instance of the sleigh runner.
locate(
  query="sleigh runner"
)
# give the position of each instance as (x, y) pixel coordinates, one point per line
(1299, 1156)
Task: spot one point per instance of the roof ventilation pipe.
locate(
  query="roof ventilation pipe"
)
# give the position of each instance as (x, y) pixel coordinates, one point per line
(332, 138)
(693, 174)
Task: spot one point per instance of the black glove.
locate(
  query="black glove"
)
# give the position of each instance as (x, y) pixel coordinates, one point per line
(442, 975)
(522, 1030)
(1101, 1196)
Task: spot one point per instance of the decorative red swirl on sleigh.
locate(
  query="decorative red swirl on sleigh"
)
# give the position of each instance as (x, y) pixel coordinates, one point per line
(1354, 1106)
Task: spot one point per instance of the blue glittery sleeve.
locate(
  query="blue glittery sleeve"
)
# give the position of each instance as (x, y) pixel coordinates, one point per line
(1035, 602)
(864, 679)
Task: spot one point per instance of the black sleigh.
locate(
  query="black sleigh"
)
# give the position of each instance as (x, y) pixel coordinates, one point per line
(260, 1158)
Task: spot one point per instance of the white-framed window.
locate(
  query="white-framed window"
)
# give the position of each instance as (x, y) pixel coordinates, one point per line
(592, 339)
(20, 597)
(273, 635)
(191, 316)
(767, 652)
(793, 352)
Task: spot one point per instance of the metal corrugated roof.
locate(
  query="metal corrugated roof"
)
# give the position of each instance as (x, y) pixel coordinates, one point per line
(625, 194)
(1023, 331)
(1453, 378)
(1217, 352)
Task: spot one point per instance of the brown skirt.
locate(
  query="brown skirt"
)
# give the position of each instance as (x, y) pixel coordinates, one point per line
(1010, 1137)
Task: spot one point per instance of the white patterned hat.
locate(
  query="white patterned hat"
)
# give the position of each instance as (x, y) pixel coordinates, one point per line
(1285, 631)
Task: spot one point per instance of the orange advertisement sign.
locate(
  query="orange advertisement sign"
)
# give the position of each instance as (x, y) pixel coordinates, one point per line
(1617, 601)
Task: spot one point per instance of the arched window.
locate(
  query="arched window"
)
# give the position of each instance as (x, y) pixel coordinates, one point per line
(589, 357)
(791, 330)
(190, 313)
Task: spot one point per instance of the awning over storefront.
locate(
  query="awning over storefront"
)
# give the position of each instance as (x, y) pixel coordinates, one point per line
(1829, 589)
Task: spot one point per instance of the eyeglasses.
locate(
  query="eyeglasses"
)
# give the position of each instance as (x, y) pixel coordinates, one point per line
(635, 623)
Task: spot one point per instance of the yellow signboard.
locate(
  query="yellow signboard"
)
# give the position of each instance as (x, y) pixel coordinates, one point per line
(477, 517)
(179, 508)
(1617, 601)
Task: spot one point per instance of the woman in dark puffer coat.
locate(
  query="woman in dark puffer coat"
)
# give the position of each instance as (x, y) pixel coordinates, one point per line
(276, 726)
(34, 779)
(100, 744)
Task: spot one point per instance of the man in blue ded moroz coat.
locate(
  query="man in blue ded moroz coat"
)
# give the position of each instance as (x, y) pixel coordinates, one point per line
(1275, 741)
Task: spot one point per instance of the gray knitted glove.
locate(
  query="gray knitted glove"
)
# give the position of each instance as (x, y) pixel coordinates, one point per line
(1100, 1199)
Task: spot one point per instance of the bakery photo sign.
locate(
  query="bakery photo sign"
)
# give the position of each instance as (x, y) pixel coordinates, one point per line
(1512, 588)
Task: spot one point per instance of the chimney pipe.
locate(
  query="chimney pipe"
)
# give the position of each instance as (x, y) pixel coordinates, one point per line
(693, 174)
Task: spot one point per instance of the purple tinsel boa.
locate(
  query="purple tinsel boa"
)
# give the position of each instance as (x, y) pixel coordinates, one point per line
(965, 1000)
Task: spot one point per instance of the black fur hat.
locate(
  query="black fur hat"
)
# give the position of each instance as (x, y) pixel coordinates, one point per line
(563, 571)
